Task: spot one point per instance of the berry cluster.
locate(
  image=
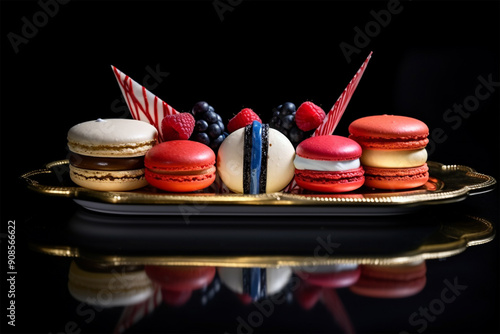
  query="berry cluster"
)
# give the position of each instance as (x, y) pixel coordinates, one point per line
(283, 120)
(209, 128)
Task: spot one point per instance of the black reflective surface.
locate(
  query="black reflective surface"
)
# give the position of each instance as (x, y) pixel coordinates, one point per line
(436, 61)
(460, 293)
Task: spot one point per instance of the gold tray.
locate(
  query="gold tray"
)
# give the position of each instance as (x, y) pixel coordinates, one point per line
(451, 236)
(447, 183)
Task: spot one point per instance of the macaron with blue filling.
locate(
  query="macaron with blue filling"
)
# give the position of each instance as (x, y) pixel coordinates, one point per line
(256, 159)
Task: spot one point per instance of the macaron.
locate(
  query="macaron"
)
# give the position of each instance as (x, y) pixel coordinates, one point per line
(256, 159)
(328, 164)
(334, 276)
(178, 282)
(180, 166)
(108, 154)
(394, 155)
(316, 279)
(391, 281)
(255, 283)
(104, 285)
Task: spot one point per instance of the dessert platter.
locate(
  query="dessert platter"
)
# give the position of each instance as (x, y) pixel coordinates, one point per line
(165, 162)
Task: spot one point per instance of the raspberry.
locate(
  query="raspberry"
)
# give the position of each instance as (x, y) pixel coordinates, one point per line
(243, 118)
(309, 116)
(178, 126)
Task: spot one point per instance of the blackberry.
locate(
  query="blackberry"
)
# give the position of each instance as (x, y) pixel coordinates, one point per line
(208, 128)
(283, 120)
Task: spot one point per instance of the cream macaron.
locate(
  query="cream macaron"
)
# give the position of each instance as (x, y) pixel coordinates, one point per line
(256, 283)
(108, 286)
(108, 154)
(256, 159)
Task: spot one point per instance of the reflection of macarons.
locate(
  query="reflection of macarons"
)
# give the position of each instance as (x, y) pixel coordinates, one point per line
(394, 155)
(256, 159)
(328, 164)
(108, 286)
(316, 278)
(335, 276)
(390, 281)
(178, 282)
(255, 282)
(109, 154)
(180, 166)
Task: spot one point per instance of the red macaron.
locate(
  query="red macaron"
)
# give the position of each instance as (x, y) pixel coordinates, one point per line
(180, 166)
(394, 155)
(337, 277)
(178, 282)
(328, 164)
(331, 277)
(391, 281)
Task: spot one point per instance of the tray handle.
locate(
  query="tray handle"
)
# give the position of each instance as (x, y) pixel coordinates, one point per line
(30, 179)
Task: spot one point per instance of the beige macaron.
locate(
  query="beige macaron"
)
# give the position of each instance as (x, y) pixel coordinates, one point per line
(114, 137)
(108, 154)
(109, 286)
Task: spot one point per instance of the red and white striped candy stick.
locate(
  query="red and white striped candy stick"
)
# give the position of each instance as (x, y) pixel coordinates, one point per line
(134, 313)
(143, 105)
(333, 117)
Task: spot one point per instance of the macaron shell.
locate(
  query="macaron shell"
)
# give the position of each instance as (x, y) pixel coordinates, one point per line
(334, 182)
(108, 180)
(389, 132)
(180, 183)
(337, 279)
(331, 147)
(396, 178)
(391, 281)
(180, 278)
(179, 155)
(389, 127)
(112, 138)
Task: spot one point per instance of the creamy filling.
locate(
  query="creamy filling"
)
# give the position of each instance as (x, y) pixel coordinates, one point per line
(325, 165)
(394, 158)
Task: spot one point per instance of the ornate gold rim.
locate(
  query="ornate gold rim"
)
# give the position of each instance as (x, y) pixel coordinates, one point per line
(449, 241)
(443, 179)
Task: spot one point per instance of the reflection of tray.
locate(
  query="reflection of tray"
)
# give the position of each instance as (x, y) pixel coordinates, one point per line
(122, 240)
(446, 184)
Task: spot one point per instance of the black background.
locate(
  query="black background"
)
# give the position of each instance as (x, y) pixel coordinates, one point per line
(428, 58)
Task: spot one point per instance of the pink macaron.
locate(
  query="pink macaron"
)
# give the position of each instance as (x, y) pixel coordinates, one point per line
(328, 164)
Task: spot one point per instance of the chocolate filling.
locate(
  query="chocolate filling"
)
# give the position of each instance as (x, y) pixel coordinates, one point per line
(105, 164)
(247, 156)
